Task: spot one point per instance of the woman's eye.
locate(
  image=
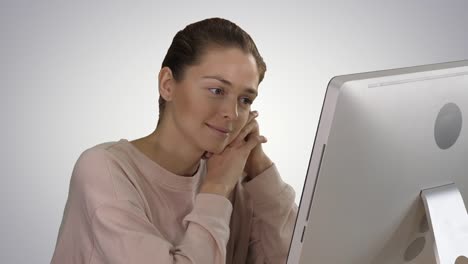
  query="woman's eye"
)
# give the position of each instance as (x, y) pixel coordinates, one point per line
(216, 90)
(246, 100)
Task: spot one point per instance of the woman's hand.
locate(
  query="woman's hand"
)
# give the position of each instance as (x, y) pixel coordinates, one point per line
(244, 153)
(225, 169)
(257, 161)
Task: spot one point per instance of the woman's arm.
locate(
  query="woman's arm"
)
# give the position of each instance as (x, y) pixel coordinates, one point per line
(123, 234)
(274, 214)
(274, 210)
(100, 226)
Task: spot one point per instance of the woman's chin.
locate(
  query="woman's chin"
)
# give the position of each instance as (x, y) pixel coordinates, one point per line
(216, 149)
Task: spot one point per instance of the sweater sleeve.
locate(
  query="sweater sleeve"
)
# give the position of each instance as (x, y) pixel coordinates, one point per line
(123, 234)
(274, 214)
(99, 227)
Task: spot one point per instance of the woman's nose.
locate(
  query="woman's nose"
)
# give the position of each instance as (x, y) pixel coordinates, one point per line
(230, 109)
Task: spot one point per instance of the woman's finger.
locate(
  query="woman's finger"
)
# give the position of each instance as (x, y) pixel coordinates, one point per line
(252, 115)
(250, 128)
(253, 142)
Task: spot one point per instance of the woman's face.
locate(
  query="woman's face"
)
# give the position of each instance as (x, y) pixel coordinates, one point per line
(212, 102)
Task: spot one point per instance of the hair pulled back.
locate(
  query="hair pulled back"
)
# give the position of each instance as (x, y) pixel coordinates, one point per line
(189, 44)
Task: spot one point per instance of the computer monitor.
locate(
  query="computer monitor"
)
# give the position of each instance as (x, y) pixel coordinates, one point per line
(387, 180)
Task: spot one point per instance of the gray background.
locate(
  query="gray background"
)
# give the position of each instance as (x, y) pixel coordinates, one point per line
(77, 74)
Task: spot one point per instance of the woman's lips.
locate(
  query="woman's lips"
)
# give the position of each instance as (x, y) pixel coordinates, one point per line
(221, 130)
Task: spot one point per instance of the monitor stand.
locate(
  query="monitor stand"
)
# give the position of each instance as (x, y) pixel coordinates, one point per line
(448, 219)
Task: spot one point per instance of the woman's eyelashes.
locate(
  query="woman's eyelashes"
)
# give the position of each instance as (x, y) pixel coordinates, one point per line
(247, 100)
(217, 91)
(220, 91)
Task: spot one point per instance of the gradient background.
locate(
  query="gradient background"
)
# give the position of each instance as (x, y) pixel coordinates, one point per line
(77, 74)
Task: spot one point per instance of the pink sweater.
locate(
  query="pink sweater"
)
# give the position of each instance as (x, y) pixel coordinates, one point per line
(123, 207)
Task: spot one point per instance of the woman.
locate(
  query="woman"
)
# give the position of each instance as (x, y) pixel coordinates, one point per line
(199, 189)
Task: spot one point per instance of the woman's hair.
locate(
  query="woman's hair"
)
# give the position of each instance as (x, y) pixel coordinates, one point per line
(194, 40)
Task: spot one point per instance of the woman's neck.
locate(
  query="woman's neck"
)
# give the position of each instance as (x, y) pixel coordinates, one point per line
(170, 151)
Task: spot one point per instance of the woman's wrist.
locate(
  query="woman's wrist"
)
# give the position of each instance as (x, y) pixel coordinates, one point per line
(259, 166)
(215, 188)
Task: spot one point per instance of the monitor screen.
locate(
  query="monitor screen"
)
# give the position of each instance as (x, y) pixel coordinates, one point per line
(387, 180)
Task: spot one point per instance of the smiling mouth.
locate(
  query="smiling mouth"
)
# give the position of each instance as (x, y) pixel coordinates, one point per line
(220, 130)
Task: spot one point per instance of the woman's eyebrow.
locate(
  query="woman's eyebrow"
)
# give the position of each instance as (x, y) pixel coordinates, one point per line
(218, 78)
(248, 89)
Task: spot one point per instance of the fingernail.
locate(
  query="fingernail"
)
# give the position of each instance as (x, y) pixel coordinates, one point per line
(255, 113)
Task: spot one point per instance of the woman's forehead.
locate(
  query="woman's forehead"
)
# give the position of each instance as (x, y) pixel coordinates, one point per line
(228, 65)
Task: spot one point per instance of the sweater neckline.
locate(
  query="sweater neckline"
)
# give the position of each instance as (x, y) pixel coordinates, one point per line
(161, 176)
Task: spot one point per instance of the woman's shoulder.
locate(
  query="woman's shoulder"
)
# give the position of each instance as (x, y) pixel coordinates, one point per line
(101, 174)
(103, 154)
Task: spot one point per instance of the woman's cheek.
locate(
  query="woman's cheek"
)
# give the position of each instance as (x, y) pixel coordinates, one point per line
(234, 135)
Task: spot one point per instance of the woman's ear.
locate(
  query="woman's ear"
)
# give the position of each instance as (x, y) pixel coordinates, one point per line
(166, 83)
